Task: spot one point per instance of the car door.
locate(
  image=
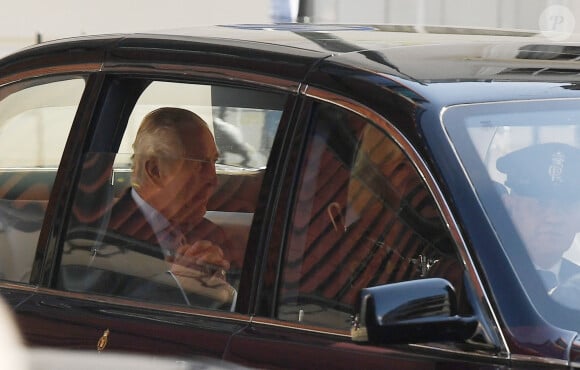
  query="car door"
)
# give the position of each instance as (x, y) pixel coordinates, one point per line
(82, 305)
(361, 215)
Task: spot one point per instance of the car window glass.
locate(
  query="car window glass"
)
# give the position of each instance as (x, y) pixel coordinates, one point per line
(242, 122)
(522, 159)
(135, 209)
(35, 120)
(363, 217)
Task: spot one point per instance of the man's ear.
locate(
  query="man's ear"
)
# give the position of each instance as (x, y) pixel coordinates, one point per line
(153, 171)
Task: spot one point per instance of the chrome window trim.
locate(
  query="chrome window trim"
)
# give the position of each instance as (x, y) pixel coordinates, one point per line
(574, 364)
(276, 323)
(130, 303)
(523, 360)
(429, 179)
(214, 73)
(15, 285)
(159, 69)
(82, 68)
(29, 169)
(341, 335)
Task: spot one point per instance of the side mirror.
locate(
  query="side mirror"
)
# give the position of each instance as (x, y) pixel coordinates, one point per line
(411, 312)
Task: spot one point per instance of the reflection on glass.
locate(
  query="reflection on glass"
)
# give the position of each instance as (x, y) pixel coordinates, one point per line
(362, 217)
(528, 154)
(113, 248)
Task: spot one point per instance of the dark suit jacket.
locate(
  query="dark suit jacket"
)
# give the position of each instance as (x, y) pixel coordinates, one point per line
(128, 230)
(127, 219)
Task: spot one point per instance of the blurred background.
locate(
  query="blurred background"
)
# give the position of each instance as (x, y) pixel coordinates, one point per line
(27, 22)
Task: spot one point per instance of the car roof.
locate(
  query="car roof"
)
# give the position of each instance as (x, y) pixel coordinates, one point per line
(328, 40)
(423, 53)
(436, 57)
(338, 39)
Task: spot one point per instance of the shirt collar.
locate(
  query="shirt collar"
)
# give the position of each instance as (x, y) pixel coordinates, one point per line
(157, 221)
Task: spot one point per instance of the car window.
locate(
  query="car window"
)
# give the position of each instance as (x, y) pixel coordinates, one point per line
(143, 215)
(35, 120)
(523, 160)
(363, 217)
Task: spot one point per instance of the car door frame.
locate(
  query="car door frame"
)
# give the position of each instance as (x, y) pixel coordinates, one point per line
(59, 189)
(49, 314)
(308, 346)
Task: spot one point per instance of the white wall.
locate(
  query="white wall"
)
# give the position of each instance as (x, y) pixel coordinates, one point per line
(520, 14)
(21, 20)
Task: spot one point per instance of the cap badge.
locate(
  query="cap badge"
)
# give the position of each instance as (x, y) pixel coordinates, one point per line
(557, 167)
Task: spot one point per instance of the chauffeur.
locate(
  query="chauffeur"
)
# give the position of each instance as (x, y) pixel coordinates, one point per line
(544, 203)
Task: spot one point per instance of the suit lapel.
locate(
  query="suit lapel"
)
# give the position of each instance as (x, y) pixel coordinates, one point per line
(127, 219)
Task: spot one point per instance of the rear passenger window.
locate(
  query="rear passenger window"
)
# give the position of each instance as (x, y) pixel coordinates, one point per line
(166, 218)
(363, 217)
(35, 120)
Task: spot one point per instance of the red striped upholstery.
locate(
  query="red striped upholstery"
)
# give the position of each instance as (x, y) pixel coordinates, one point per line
(386, 222)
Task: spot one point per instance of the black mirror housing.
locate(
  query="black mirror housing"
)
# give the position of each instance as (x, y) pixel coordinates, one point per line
(411, 312)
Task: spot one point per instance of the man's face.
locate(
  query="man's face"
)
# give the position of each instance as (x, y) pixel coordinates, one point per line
(546, 227)
(188, 183)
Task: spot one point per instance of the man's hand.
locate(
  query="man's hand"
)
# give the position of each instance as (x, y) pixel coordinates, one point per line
(202, 255)
(201, 268)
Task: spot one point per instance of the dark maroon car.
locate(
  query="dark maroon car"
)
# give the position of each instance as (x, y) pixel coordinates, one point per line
(381, 188)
